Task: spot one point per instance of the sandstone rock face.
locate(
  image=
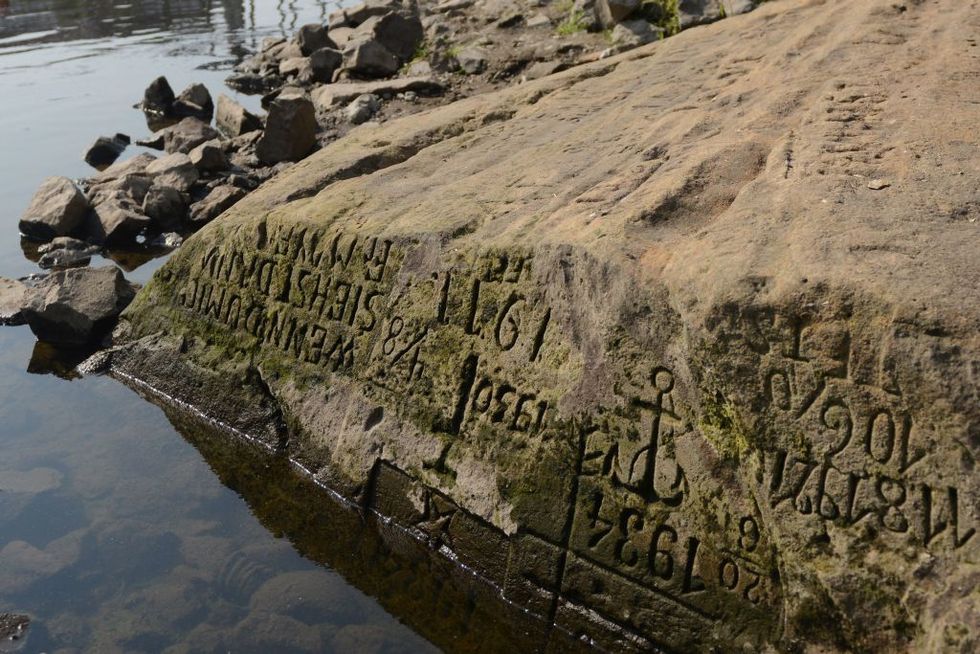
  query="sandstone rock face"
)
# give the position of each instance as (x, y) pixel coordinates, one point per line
(639, 342)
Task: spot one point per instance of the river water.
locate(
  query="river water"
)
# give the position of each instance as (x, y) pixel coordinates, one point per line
(120, 532)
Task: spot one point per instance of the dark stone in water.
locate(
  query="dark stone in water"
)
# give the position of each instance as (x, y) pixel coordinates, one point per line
(158, 97)
(106, 149)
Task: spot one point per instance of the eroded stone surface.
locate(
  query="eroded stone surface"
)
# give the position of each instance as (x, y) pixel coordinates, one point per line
(636, 340)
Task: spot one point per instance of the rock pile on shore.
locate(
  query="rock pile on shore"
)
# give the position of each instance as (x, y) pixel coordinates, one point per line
(376, 61)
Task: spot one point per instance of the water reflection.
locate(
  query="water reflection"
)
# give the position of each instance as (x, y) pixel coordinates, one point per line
(447, 604)
(40, 21)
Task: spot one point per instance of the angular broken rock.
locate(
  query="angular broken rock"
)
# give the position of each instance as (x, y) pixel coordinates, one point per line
(297, 69)
(217, 201)
(174, 170)
(131, 187)
(13, 296)
(398, 33)
(195, 101)
(209, 157)
(233, 119)
(368, 58)
(166, 206)
(118, 217)
(324, 62)
(184, 136)
(290, 130)
(311, 38)
(611, 12)
(354, 16)
(634, 341)
(77, 306)
(120, 169)
(57, 209)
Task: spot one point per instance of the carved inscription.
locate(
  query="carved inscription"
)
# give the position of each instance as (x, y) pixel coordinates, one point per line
(631, 515)
(861, 461)
(311, 295)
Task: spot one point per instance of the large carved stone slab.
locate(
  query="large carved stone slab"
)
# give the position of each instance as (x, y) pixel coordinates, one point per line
(677, 350)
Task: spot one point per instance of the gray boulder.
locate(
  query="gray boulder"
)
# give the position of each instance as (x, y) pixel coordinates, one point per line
(368, 58)
(57, 209)
(324, 62)
(187, 135)
(297, 69)
(398, 33)
(132, 187)
(165, 206)
(175, 170)
(290, 129)
(472, 60)
(362, 108)
(105, 150)
(633, 33)
(13, 295)
(217, 201)
(75, 307)
(354, 16)
(209, 157)
(340, 35)
(233, 119)
(195, 101)
(133, 166)
(311, 38)
(117, 218)
(611, 12)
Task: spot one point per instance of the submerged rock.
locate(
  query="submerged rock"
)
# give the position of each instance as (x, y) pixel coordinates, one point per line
(78, 306)
(635, 341)
(57, 209)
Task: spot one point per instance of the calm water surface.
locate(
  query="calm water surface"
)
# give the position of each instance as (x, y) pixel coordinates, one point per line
(119, 533)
